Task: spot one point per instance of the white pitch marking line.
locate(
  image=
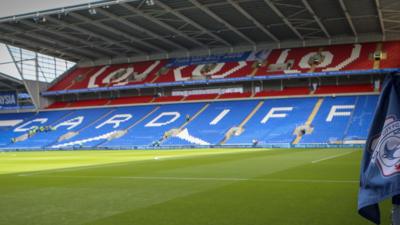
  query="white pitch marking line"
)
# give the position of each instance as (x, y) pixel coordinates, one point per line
(331, 157)
(206, 179)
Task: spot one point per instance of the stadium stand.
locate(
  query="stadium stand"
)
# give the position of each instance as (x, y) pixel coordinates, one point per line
(131, 100)
(267, 125)
(336, 89)
(152, 129)
(330, 123)
(332, 110)
(201, 97)
(70, 124)
(112, 124)
(355, 57)
(213, 124)
(285, 92)
(360, 120)
(280, 122)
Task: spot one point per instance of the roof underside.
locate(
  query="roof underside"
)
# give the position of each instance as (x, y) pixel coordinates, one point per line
(136, 30)
(8, 83)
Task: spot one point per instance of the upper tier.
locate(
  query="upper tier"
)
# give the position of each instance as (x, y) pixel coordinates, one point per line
(356, 57)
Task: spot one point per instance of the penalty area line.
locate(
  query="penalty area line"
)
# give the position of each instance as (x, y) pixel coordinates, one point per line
(331, 157)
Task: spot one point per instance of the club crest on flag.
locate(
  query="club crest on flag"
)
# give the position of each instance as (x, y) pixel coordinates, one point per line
(380, 166)
(386, 148)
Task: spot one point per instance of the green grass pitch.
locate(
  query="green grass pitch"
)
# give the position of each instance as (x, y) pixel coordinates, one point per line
(181, 187)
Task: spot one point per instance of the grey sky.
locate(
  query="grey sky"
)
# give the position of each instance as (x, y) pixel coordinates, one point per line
(14, 7)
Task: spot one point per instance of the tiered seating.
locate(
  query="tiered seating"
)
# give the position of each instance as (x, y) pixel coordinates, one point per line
(58, 105)
(366, 61)
(289, 91)
(328, 127)
(332, 58)
(8, 121)
(275, 121)
(278, 62)
(270, 121)
(332, 89)
(201, 97)
(110, 75)
(285, 92)
(361, 118)
(67, 81)
(154, 127)
(100, 131)
(131, 100)
(86, 103)
(168, 99)
(392, 58)
(40, 119)
(73, 121)
(194, 72)
(125, 74)
(212, 125)
(235, 95)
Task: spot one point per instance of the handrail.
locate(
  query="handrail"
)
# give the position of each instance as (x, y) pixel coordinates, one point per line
(223, 80)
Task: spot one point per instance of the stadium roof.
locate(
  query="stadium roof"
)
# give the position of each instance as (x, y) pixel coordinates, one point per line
(10, 83)
(133, 30)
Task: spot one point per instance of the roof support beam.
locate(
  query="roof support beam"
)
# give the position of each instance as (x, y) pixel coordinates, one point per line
(284, 19)
(98, 51)
(311, 11)
(249, 17)
(380, 17)
(42, 48)
(219, 19)
(6, 85)
(191, 22)
(141, 29)
(43, 38)
(348, 18)
(113, 30)
(162, 24)
(92, 34)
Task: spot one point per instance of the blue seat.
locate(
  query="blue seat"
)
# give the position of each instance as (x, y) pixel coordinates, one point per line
(73, 121)
(154, 127)
(338, 119)
(212, 124)
(328, 129)
(115, 119)
(361, 120)
(278, 128)
(6, 130)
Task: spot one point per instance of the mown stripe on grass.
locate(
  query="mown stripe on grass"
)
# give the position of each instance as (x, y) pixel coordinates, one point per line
(222, 179)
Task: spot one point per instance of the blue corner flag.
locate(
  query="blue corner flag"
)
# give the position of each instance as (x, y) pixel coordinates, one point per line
(380, 166)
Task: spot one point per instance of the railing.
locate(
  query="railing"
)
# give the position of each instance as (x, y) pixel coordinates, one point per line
(223, 80)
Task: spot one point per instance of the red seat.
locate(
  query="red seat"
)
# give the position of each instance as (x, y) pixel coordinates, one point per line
(95, 102)
(168, 99)
(285, 92)
(333, 89)
(235, 95)
(131, 100)
(57, 105)
(201, 97)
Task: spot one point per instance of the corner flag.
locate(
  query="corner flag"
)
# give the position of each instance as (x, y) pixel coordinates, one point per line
(380, 166)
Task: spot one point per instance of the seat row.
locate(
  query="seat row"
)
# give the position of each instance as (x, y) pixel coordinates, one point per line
(307, 120)
(290, 91)
(263, 63)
